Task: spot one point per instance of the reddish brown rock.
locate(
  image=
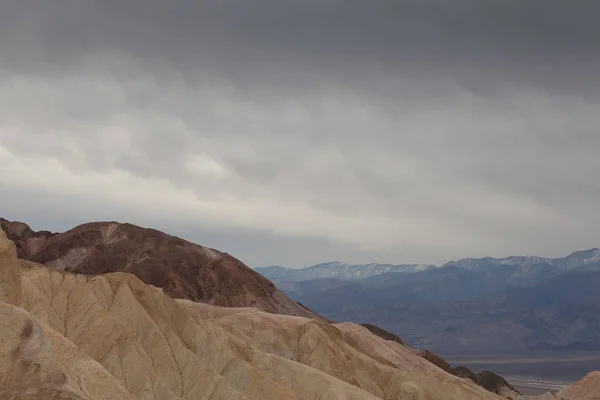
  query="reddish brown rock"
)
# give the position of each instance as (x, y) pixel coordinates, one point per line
(437, 361)
(464, 372)
(486, 379)
(382, 333)
(183, 269)
(25, 239)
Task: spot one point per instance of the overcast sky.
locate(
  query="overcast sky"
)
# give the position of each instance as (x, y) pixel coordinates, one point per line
(296, 132)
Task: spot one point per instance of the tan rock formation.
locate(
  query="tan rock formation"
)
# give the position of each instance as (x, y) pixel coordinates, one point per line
(38, 363)
(10, 290)
(586, 389)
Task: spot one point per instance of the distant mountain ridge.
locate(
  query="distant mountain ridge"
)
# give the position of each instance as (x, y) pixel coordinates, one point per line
(518, 303)
(460, 310)
(337, 270)
(580, 260)
(587, 260)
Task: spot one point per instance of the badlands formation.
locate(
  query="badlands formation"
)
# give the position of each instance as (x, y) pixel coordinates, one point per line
(185, 270)
(67, 332)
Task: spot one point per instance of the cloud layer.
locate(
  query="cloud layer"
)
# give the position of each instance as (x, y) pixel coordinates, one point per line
(297, 132)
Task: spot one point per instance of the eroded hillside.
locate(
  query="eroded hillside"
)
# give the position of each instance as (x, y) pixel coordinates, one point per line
(184, 270)
(111, 336)
(114, 337)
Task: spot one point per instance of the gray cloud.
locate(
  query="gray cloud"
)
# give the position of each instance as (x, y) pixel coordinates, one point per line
(366, 131)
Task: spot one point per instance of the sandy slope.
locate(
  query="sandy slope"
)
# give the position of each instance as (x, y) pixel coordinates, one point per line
(586, 389)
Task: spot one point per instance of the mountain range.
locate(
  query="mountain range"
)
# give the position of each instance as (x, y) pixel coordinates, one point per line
(337, 270)
(483, 305)
(581, 260)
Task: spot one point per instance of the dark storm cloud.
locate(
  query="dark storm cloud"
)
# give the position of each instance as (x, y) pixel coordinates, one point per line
(292, 44)
(427, 129)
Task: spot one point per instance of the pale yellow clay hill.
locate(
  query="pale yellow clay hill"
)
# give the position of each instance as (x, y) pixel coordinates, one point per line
(67, 336)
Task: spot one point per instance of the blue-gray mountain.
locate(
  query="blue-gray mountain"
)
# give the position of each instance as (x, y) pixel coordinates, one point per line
(336, 270)
(582, 260)
(470, 305)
